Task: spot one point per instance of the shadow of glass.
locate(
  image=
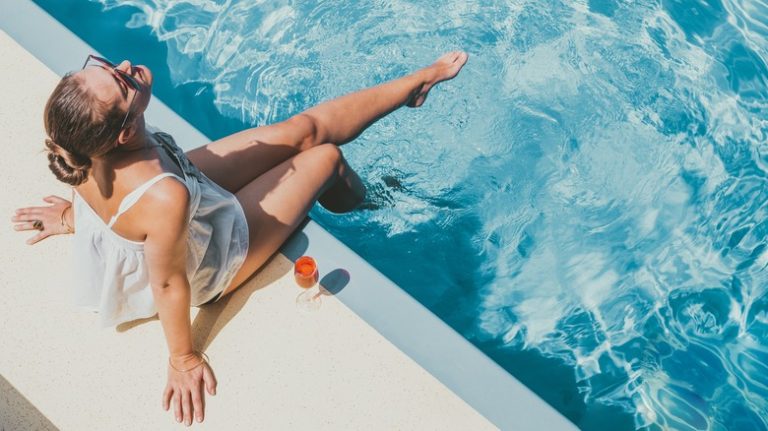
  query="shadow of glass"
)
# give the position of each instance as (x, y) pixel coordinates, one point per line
(335, 281)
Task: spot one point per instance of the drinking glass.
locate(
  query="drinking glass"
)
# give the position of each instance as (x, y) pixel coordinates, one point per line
(306, 275)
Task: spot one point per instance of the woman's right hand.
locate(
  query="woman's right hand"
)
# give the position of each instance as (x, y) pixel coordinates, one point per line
(185, 389)
(50, 216)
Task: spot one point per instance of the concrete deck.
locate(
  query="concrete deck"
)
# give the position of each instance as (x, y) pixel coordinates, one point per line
(277, 368)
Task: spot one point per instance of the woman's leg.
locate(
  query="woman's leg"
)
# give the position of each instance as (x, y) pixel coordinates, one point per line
(236, 160)
(341, 120)
(277, 201)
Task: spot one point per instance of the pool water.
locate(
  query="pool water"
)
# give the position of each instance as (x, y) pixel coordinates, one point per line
(586, 201)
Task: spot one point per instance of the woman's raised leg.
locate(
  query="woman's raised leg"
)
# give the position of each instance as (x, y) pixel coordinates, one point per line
(277, 201)
(238, 159)
(341, 120)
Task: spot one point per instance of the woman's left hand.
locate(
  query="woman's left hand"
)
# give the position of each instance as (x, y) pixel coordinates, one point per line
(186, 390)
(49, 215)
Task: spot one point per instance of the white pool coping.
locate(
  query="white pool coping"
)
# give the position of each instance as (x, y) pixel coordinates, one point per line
(444, 354)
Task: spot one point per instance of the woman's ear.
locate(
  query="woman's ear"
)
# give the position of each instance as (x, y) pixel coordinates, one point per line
(127, 133)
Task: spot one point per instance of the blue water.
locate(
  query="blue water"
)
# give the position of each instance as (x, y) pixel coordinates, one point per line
(586, 202)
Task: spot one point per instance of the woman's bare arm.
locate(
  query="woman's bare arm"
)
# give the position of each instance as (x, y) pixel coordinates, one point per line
(165, 250)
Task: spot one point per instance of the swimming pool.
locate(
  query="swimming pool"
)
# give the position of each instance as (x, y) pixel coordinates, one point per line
(583, 202)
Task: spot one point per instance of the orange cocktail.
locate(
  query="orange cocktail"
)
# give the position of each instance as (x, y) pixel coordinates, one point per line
(305, 272)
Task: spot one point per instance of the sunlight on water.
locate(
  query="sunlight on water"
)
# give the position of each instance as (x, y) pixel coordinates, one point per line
(592, 187)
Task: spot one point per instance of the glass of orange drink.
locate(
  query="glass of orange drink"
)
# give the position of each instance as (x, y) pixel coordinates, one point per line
(307, 276)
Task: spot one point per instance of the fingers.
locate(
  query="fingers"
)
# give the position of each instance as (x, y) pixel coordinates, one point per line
(54, 199)
(177, 405)
(198, 402)
(23, 213)
(210, 380)
(186, 406)
(187, 395)
(37, 238)
(36, 211)
(167, 394)
(25, 217)
(30, 225)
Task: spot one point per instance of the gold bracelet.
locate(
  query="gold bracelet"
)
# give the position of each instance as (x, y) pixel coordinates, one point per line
(63, 223)
(190, 369)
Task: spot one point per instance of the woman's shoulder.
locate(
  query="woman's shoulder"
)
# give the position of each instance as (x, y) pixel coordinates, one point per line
(166, 196)
(162, 201)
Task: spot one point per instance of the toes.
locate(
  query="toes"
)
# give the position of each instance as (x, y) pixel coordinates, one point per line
(454, 57)
(448, 57)
(461, 57)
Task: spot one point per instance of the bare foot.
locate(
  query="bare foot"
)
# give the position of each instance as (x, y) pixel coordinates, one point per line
(445, 68)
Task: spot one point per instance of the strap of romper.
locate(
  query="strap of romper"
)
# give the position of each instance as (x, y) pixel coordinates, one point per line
(134, 195)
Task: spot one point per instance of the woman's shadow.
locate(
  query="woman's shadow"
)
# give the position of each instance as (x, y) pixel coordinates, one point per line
(212, 318)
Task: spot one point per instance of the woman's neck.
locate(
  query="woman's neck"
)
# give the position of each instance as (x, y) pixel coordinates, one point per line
(140, 141)
(125, 154)
(138, 147)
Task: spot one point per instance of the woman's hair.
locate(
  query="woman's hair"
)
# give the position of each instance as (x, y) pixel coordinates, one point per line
(79, 126)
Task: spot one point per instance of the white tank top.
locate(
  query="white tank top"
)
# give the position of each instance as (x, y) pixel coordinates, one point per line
(110, 271)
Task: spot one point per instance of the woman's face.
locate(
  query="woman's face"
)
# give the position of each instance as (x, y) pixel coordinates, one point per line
(109, 87)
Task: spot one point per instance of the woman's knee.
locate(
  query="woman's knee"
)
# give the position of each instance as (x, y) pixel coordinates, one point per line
(329, 155)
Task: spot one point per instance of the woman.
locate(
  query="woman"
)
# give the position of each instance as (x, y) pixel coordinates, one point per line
(172, 243)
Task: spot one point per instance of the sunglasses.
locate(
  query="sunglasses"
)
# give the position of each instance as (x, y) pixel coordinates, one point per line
(125, 78)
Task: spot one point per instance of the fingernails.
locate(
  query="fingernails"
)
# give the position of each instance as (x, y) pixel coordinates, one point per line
(178, 418)
(199, 419)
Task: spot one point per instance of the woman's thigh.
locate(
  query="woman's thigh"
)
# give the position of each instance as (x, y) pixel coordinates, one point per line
(276, 202)
(237, 159)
